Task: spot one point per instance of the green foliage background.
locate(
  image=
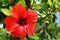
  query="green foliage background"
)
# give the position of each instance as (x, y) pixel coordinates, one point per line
(46, 27)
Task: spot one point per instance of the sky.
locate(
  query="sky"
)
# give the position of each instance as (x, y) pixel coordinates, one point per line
(58, 18)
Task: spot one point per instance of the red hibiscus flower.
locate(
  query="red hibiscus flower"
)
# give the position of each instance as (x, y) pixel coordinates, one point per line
(21, 22)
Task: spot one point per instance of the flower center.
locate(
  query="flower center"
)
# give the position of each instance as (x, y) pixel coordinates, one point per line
(22, 21)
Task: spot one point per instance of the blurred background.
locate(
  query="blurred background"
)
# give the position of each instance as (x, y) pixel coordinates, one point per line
(48, 24)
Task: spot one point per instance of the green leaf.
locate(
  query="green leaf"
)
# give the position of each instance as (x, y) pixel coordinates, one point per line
(36, 6)
(55, 1)
(2, 17)
(50, 3)
(4, 3)
(10, 7)
(58, 36)
(14, 38)
(48, 35)
(21, 2)
(23, 39)
(52, 26)
(3, 34)
(35, 36)
(6, 11)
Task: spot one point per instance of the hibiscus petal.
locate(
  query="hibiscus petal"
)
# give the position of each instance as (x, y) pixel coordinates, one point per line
(10, 20)
(19, 11)
(11, 28)
(30, 29)
(10, 23)
(15, 33)
(19, 32)
(32, 16)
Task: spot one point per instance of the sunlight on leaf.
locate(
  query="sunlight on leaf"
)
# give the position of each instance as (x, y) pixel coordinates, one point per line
(6, 11)
(50, 3)
(35, 37)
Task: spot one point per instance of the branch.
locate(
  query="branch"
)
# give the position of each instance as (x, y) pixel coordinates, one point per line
(28, 4)
(39, 29)
(13, 2)
(41, 26)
